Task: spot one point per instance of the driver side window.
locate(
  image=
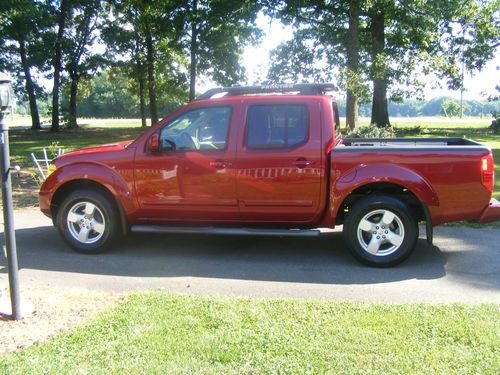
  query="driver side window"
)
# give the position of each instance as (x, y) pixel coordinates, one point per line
(199, 129)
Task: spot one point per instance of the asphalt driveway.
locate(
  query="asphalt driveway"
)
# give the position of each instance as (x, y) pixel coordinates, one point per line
(462, 266)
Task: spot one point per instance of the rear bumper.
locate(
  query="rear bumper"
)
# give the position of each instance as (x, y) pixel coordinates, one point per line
(491, 213)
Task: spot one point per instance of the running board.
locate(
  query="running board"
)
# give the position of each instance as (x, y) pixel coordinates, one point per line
(226, 230)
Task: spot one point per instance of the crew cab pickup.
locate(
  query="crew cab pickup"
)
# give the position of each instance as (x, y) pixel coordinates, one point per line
(269, 161)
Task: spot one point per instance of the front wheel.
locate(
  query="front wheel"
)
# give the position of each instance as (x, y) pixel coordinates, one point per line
(87, 221)
(381, 231)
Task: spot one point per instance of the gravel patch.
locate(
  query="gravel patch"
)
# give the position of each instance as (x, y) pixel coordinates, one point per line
(52, 312)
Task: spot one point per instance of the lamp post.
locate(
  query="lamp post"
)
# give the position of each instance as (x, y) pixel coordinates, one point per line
(8, 213)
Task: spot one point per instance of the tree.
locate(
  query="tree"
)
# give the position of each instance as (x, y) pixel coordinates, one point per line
(108, 94)
(216, 32)
(450, 108)
(398, 42)
(23, 36)
(79, 59)
(326, 37)
(122, 38)
(470, 36)
(62, 13)
(145, 37)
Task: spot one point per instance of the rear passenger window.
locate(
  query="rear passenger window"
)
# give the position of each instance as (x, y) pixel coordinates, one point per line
(276, 126)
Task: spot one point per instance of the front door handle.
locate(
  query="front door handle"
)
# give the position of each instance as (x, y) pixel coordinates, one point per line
(302, 163)
(219, 164)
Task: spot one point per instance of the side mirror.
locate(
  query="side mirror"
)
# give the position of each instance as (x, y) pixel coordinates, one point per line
(154, 143)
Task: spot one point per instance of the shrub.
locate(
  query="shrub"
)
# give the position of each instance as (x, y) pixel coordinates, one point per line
(495, 125)
(370, 131)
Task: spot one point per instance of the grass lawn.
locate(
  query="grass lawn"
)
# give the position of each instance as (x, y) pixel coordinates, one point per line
(164, 333)
(24, 142)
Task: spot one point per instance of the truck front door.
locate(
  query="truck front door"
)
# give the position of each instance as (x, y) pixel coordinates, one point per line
(191, 178)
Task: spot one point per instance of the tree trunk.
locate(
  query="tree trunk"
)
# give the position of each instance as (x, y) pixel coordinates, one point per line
(30, 87)
(151, 76)
(142, 99)
(57, 64)
(352, 52)
(193, 53)
(140, 79)
(72, 103)
(380, 113)
(352, 109)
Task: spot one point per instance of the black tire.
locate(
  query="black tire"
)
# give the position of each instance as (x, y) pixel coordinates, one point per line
(371, 240)
(77, 220)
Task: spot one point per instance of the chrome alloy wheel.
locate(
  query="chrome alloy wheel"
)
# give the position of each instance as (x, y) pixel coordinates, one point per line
(381, 232)
(86, 222)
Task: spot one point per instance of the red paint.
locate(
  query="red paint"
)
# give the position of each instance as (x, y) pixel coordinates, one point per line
(301, 186)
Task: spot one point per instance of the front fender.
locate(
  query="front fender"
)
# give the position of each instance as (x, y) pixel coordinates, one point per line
(89, 171)
(366, 174)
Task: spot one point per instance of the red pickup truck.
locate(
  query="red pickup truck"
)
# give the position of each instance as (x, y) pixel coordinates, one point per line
(269, 161)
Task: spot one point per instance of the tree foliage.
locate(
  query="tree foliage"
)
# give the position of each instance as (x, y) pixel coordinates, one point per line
(376, 50)
(80, 60)
(24, 37)
(215, 34)
(399, 41)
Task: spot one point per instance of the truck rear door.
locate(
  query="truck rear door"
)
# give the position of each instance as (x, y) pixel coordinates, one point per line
(279, 161)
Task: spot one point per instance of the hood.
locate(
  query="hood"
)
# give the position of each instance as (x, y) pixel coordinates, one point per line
(102, 148)
(94, 150)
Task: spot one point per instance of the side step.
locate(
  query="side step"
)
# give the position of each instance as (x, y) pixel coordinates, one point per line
(227, 230)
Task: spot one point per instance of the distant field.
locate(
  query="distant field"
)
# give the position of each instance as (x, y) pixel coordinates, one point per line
(432, 122)
(425, 122)
(25, 122)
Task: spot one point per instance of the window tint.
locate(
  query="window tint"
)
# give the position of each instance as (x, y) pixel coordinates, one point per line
(276, 126)
(199, 129)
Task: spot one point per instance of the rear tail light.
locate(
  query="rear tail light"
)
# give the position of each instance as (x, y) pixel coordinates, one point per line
(488, 171)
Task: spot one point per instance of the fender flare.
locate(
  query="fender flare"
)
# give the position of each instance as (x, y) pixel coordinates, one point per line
(366, 174)
(99, 174)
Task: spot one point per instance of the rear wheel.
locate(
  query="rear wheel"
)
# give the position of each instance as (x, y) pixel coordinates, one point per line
(381, 231)
(87, 221)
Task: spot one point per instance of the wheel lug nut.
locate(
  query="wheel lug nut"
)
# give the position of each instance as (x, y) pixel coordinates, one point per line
(386, 231)
(378, 237)
(375, 232)
(377, 227)
(383, 237)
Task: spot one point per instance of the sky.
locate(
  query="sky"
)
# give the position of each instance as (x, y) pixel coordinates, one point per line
(256, 63)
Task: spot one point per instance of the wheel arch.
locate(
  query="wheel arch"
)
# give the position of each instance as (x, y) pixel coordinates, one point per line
(385, 188)
(77, 184)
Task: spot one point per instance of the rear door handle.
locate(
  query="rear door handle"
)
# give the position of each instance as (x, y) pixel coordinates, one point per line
(302, 163)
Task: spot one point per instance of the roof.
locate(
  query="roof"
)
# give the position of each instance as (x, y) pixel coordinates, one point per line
(299, 89)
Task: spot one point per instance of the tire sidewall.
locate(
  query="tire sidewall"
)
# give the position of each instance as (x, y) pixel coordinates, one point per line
(107, 211)
(371, 203)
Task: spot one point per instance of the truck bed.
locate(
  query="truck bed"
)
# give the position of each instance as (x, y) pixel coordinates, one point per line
(405, 143)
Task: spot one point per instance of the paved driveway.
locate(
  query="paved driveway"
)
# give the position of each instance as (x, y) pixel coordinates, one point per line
(462, 266)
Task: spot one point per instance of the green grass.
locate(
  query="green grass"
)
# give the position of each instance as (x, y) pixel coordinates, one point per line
(165, 333)
(24, 142)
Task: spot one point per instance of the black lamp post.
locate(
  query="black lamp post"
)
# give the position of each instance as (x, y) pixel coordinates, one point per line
(8, 213)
